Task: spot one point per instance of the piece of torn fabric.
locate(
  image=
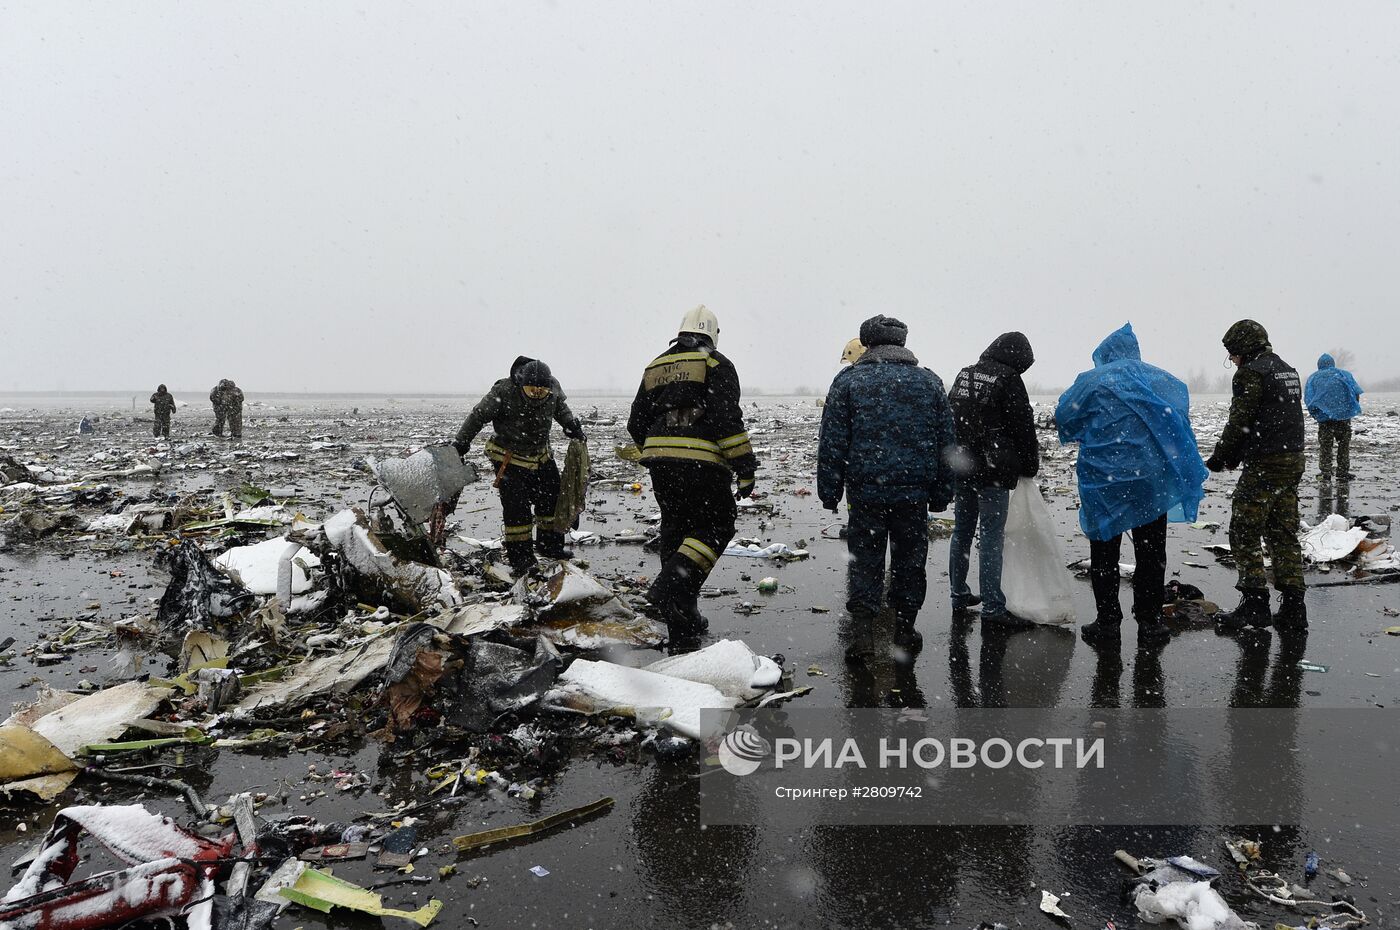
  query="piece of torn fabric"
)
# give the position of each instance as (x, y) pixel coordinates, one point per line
(573, 487)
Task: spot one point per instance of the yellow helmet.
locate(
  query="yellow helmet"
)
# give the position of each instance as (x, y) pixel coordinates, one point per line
(854, 350)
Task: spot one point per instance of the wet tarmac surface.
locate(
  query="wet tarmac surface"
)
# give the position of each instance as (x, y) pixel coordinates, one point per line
(649, 862)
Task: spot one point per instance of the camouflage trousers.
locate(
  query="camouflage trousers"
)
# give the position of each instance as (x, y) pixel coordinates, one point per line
(1265, 508)
(1329, 433)
(234, 419)
(162, 427)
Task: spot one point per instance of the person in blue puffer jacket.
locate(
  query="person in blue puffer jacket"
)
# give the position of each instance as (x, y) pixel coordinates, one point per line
(885, 439)
(1139, 467)
(1333, 398)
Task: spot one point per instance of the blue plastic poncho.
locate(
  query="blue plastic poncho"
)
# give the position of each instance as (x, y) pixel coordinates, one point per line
(1331, 393)
(1137, 454)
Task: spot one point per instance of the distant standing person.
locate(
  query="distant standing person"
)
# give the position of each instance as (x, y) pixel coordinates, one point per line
(885, 438)
(1265, 434)
(227, 399)
(164, 406)
(216, 400)
(1333, 398)
(996, 447)
(522, 409)
(233, 405)
(1138, 469)
(687, 421)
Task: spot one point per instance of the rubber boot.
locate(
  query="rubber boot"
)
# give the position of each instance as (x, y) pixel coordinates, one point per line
(1103, 631)
(688, 602)
(1253, 611)
(661, 596)
(860, 633)
(1153, 632)
(551, 545)
(1292, 611)
(521, 556)
(906, 638)
(667, 597)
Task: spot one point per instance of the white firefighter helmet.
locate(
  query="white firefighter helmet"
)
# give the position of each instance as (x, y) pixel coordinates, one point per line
(701, 322)
(852, 353)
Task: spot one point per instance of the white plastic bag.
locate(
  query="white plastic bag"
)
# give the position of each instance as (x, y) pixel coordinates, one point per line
(1033, 574)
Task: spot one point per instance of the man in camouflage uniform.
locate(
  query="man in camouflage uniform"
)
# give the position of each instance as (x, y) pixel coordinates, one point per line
(216, 399)
(165, 406)
(233, 409)
(1265, 434)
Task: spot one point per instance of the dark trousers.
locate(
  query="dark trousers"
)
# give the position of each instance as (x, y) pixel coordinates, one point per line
(697, 521)
(528, 499)
(1150, 548)
(904, 528)
(162, 427)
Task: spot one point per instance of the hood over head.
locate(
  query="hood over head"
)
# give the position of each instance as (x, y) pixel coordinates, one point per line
(1246, 338)
(160, 389)
(1012, 350)
(1325, 361)
(1120, 344)
(883, 331)
(531, 372)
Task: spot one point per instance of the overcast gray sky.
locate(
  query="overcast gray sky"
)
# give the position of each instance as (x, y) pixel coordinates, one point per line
(404, 196)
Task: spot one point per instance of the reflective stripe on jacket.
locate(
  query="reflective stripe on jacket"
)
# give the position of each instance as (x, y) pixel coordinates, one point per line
(687, 409)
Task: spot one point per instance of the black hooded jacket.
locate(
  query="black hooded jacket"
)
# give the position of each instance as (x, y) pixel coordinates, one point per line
(992, 416)
(521, 423)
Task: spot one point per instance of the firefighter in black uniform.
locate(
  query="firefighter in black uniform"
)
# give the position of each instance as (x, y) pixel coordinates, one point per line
(687, 422)
(521, 410)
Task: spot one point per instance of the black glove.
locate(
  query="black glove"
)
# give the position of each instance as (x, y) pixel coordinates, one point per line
(461, 447)
(830, 505)
(938, 506)
(745, 489)
(576, 432)
(1215, 462)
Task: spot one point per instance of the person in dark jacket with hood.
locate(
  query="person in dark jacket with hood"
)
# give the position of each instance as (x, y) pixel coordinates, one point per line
(164, 406)
(1265, 434)
(687, 422)
(885, 438)
(1333, 398)
(996, 447)
(521, 409)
